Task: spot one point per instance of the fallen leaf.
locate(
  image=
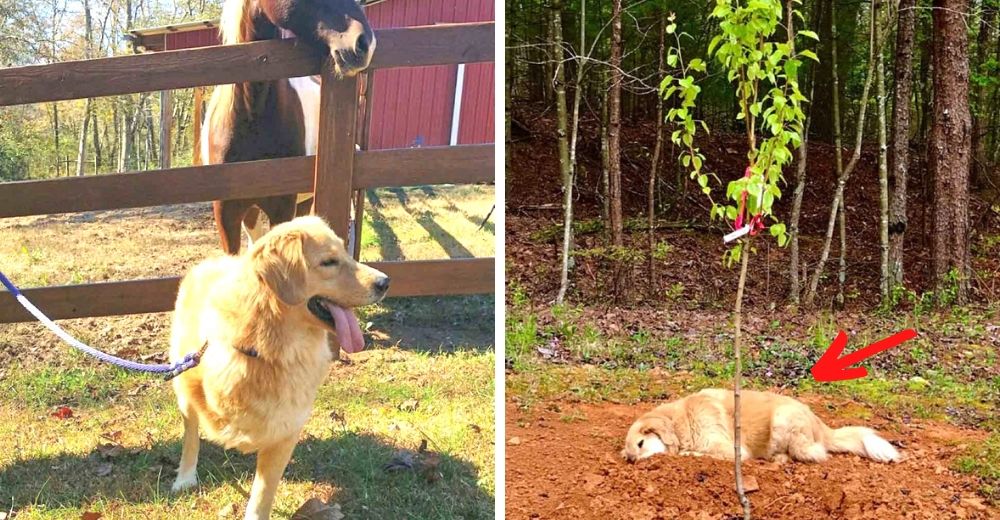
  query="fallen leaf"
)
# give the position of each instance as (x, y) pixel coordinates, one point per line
(114, 436)
(403, 460)
(750, 484)
(337, 417)
(63, 412)
(229, 510)
(316, 509)
(514, 441)
(89, 515)
(475, 428)
(409, 405)
(110, 451)
(104, 469)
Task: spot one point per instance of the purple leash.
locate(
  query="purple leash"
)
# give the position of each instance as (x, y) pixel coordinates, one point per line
(172, 370)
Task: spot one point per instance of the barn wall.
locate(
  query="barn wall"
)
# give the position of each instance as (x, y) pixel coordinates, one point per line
(413, 106)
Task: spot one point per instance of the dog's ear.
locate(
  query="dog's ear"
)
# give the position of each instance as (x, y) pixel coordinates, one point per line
(281, 264)
(663, 429)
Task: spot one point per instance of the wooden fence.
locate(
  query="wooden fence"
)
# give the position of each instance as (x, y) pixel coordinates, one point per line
(332, 175)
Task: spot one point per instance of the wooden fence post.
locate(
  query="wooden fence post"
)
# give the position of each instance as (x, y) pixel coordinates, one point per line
(334, 182)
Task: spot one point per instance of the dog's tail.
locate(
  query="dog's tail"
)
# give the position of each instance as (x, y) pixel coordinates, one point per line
(861, 441)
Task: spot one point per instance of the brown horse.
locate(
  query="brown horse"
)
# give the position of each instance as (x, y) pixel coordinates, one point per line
(271, 119)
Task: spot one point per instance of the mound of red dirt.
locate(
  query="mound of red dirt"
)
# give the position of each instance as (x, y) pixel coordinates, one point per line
(562, 462)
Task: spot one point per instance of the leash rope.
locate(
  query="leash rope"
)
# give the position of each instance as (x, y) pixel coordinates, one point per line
(171, 370)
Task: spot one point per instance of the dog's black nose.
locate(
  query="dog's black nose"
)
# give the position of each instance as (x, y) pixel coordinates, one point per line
(382, 284)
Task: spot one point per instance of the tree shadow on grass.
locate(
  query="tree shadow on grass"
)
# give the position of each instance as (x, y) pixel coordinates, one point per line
(448, 242)
(388, 240)
(351, 463)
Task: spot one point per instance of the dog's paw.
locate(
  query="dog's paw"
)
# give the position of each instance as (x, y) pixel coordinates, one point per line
(184, 482)
(780, 458)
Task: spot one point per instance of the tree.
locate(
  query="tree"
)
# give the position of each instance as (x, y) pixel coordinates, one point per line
(765, 74)
(81, 154)
(795, 291)
(950, 147)
(903, 72)
(614, 128)
(565, 168)
(657, 150)
(883, 166)
(837, 207)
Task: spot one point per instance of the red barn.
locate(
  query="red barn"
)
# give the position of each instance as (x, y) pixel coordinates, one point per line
(418, 106)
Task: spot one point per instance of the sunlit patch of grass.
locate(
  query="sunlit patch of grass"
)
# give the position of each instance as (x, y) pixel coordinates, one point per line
(49, 466)
(427, 222)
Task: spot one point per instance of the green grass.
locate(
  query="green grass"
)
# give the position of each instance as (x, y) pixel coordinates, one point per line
(427, 222)
(983, 461)
(48, 466)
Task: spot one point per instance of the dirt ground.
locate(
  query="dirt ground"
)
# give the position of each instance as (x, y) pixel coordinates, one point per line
(562, 462)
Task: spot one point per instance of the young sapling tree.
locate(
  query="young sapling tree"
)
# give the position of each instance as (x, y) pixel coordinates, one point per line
(764, 71)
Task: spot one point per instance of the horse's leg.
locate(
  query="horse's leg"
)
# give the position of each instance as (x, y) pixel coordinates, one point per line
(278, 209)
(228, 217)
(253, 225)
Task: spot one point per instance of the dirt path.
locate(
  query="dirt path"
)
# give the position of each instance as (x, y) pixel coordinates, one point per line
(564, 463)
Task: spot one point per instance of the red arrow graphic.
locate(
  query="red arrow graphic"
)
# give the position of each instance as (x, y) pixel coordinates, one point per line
(832, 367)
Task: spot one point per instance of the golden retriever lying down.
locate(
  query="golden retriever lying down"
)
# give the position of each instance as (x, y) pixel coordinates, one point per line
(772, 427)
(262, 319)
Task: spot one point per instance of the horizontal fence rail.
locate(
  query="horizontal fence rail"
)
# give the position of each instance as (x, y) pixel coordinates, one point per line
(257, 61)
(409, 278)
(466, 164)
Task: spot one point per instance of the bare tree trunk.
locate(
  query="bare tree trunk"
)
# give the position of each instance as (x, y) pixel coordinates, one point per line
(873, 45)
(795, 291)
(839, 145)
(575, 125)
(97, 139)
(738, 379)
(81, 151)
(55, 135)
(883, 166)
(605, 159)
(950, 145)
(654, 168)
(901, 137)
(614, 127)
(127, 140)
(565, 168)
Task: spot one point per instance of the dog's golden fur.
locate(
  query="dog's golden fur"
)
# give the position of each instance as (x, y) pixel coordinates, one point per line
(257, 302)
(772, 427)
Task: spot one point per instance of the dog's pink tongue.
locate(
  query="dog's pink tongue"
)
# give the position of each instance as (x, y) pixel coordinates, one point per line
(348, 329)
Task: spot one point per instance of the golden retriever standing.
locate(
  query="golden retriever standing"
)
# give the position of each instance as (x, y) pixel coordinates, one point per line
(262, 320)
(772, 427)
